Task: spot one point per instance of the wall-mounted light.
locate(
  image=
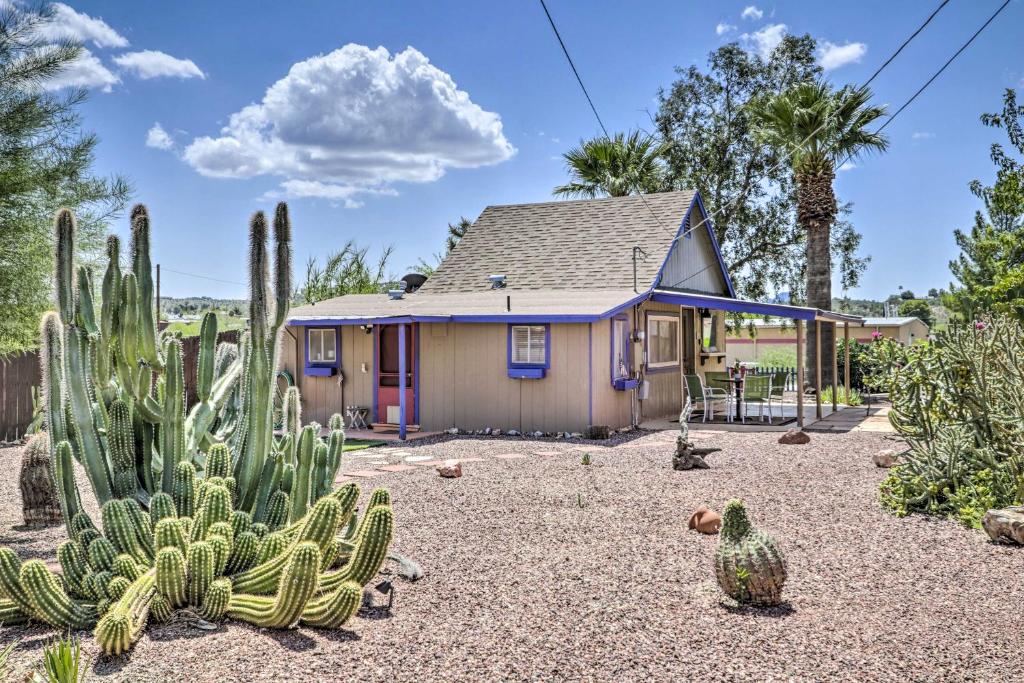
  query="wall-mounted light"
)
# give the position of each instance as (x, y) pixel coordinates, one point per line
(368, 329)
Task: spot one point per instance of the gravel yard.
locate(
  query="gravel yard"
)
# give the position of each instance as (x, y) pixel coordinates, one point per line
(540, 568)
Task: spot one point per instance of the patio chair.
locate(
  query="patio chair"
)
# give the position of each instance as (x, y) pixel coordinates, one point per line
(707, 396)
(776, 388)
(755, 390)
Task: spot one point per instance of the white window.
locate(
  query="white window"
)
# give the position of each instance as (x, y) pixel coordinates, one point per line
(529, 344)
(620, 348)
(662, 341)
(322, 346)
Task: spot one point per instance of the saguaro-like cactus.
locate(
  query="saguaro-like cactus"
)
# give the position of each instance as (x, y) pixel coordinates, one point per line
(749, 565)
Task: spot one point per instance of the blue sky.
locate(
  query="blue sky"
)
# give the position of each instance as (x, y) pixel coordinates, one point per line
(388, 146)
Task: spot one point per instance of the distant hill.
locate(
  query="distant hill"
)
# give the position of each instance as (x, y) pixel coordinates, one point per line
(185, 314)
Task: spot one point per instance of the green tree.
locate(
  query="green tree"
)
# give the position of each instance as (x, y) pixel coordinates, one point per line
(45, 164)
(347, 271)
(706, 119)
(456, 231)
(818, 128)
(614, 167)
(990, 268)
(917, 308)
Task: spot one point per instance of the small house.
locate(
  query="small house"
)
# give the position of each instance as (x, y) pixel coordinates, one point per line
(554, 317)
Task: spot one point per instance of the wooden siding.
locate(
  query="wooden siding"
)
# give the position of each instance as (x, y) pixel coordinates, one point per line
(692, 264)
(322, 396)
(611, 407)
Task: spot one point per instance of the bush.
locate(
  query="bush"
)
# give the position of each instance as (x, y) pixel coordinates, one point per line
(957, 403)
(854, 398)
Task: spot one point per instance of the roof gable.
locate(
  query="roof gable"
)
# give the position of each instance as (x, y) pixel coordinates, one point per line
(581, 244)
(694, 262)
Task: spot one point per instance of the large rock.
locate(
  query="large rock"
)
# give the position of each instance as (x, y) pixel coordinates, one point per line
(706, 520)
(889, 457)
(795, 437)
(450, 469)
(1006, 525)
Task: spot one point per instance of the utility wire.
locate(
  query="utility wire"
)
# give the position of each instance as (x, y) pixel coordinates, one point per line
(919, 90)
(203, 277)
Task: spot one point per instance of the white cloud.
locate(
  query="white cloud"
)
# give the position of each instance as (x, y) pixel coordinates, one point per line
(751, 12)
(158, 137)
(300, 189)
(832, 56)
(764, 41)
(67, 24)
(355, 118)
(922, 135)
(847, 166)
(154, 64)
(87, 71)
(722, 28)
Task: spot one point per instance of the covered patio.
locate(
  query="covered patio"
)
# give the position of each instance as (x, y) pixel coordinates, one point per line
(801, 316)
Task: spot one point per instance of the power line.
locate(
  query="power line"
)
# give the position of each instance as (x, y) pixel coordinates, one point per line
(204, 277)
(572, 65)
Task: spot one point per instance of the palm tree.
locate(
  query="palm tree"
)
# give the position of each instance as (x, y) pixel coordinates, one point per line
(614, 167)
(818, 128)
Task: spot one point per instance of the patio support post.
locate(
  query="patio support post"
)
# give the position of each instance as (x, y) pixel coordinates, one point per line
(800, 373)
(835, 369)
(401, 381)
(846, 358)
(817, 370)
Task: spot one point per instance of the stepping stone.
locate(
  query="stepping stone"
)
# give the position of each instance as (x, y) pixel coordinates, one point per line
(502, 455)
(547, 453)
(418, 458)
(472, 459)
(398, 454)
(396, 468)
(428, 463)
(363, 473)
(511, 456)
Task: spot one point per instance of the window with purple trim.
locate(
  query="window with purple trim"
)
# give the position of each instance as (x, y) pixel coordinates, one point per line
(529, 345)
(662, 341)
(322, 349)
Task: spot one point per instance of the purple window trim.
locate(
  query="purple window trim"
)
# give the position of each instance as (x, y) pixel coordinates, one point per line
(626, 349)
(546, 365)
(316, 369)
(647, 342)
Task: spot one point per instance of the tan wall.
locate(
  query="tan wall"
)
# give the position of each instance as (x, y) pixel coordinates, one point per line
(324, 396)
(743, 347)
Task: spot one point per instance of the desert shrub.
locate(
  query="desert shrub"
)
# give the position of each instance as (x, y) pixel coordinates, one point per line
(854, 399)
(959, 404)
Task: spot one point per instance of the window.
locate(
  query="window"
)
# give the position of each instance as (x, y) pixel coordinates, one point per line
(620, 348)
(662, 341)
(323, 346)
(711, 322)
(528, 345)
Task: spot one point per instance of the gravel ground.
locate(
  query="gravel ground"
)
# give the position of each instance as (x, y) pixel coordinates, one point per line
(541, 568)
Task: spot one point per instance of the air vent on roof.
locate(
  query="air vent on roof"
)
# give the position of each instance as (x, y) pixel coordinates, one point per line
(396, 293)
(413, 281)
(497, 281)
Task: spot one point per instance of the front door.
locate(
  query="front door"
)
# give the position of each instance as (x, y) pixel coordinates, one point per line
(388, 377)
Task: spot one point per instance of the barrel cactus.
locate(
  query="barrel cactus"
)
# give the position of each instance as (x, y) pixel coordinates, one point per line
(39, 503)
(749, 565)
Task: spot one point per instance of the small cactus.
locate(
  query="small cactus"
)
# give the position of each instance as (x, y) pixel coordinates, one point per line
(39, 502)
(749, 565)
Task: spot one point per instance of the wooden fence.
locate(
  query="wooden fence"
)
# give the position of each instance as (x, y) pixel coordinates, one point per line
(20, 373)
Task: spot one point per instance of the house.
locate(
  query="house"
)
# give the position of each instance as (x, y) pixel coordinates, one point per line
(550, 317)
(749, 343)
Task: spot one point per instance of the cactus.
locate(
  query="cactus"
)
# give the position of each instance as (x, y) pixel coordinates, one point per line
(119, 527)
(218, 461)
(125, 566)
(334, 609)
(101, 554)
(170, 575)
(201, 563)
(39, 502)
(277, 510)
(297, 585)
(216, 600)
(11, 614)
(49, 600)
(244, 552)
(171, 534)
(184, 488)
(73, 564)
(271, 546)
(161, 506)
(121, 444)
(749, 565)
(371, 549)
(124, 621)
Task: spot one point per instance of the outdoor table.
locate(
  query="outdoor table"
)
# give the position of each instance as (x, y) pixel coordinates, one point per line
(737, 383)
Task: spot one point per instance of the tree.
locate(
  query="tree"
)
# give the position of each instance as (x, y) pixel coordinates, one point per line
(818, 128)
(456, 231)
(347, 271)
(907, 295)
(990, 269)
(933, 293)
(917, 308)
(706, 119)
(614, 167)
(45, 164)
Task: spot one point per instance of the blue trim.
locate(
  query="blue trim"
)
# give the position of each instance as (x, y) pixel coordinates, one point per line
(714, 242)
(376, 373)
(626, 351)
(734, 305)
(647, 343)
(416, 360)
(322, 368)
(590, 374)
(626, 384)
(547, 349)
(520, 372)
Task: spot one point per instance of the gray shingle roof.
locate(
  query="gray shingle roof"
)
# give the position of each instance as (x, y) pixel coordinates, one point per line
(565, 244)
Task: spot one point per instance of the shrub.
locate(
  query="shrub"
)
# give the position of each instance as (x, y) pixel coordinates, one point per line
(854, 399)
(957, 403)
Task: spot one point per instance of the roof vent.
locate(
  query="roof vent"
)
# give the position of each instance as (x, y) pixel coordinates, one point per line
(396, 293)
(497, 281)
(413, 281)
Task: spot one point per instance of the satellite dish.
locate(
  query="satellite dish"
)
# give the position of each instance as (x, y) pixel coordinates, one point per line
(413, 281)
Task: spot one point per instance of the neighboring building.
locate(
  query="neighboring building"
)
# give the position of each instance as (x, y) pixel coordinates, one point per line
(748, 343)
(546, 317)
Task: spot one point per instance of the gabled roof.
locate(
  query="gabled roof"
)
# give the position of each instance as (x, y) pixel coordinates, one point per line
(563, 245)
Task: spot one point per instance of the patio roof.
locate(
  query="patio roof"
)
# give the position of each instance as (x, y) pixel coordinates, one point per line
(720, 303)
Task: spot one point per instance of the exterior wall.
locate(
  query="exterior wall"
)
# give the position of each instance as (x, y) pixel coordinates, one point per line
(692, 264)
(745, 348)
(324, 396)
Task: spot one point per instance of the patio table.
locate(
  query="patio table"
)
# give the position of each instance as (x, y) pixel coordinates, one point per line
(737, 384)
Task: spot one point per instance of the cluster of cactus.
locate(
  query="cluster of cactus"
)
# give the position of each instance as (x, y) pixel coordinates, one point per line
(958, 402)
(749, 565)
(216, 562)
